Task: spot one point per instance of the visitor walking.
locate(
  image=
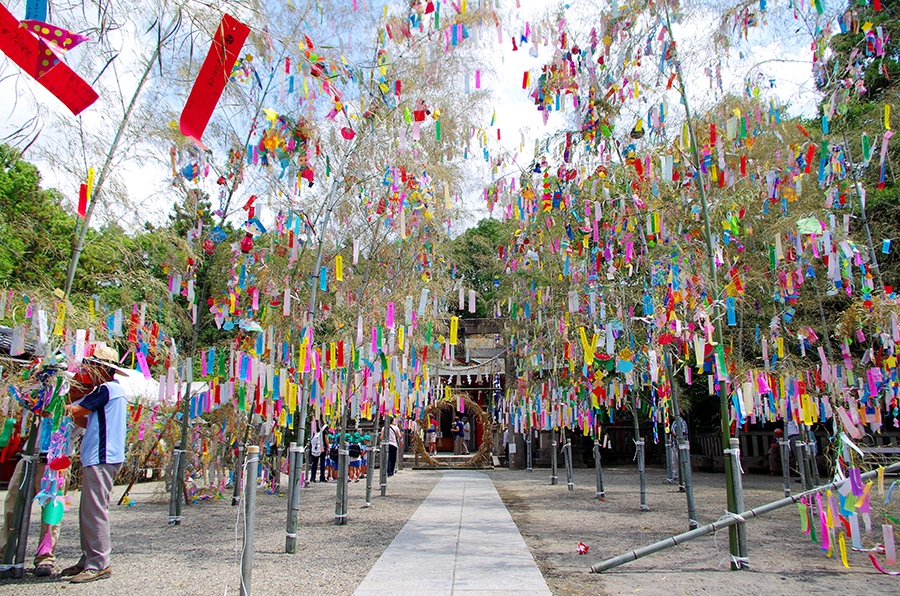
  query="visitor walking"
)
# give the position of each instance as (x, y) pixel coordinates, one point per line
(45, 560)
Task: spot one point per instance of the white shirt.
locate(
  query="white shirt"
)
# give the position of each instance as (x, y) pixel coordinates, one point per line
(316, 444)
(393, 435)
(104, 437)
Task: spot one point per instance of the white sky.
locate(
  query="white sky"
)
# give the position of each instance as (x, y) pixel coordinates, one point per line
(786, 59)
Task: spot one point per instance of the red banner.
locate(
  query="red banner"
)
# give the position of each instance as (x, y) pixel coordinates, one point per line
(35, 57)
(215, 72)
(82, 201)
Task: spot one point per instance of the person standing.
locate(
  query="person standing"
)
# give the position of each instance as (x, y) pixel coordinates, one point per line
(506, 438)
(102, 414)
(392, 434)
(318, 446)
(431, 437)
(458, 434)
(775, 452)
(467, 435)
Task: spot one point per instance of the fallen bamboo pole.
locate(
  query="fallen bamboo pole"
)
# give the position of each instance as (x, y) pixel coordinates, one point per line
(724, 522)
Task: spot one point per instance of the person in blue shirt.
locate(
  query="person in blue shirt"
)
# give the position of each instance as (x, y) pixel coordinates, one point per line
(102, 414)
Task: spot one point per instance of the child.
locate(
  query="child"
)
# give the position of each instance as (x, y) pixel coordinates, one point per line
(333, 457)
(431, 437)
(775, 452)
(354, 451)
(364, 455)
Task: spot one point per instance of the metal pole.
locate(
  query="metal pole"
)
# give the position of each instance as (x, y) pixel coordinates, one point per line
(601, 494)
(249, 518)
(671, 471)
(741, 560)
(340, 506)
(343, 485)
(727, 521)
(238, 473)
(300, 412)
(290, 540)
(639, 455)
(800, 456)
(812, 449)
(785, 447)
(553, 472)
(568, 453)
(370, 459)
(529, 439)
(383, 456)
(684, 447)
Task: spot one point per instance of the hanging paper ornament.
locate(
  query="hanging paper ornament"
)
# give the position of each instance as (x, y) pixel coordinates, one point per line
(34, 56)
(214, 74)
(247, 243)
(57, 36)
(60, 463)
(53, 511)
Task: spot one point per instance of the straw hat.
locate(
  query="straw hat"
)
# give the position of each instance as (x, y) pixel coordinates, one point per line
(107, 356)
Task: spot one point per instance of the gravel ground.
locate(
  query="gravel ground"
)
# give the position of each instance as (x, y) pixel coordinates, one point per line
(783, 560)
(198, 557)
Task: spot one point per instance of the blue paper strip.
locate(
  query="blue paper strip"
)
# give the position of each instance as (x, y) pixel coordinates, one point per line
(36, 10)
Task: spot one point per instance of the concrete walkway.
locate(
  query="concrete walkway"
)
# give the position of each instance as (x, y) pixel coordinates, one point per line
(461, 540)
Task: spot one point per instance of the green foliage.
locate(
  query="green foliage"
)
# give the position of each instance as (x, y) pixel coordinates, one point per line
(34, 226)
(474, 253)
(879, 73)
(36, 233)
(854, 59)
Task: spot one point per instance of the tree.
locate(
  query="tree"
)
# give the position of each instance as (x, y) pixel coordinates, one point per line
(473, 256)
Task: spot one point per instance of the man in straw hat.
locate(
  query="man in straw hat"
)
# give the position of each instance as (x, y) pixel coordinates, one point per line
(102, 414)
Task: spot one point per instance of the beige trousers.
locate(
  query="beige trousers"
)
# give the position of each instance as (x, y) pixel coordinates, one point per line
(93, 515)
(15, 483)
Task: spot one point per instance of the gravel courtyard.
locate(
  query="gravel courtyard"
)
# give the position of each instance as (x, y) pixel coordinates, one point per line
(201, 557)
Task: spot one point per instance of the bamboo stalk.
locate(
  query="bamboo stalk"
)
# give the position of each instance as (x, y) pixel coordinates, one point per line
(111, 154)
(725, 522)
(17, 536)
(601, 493)
(714, 288)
